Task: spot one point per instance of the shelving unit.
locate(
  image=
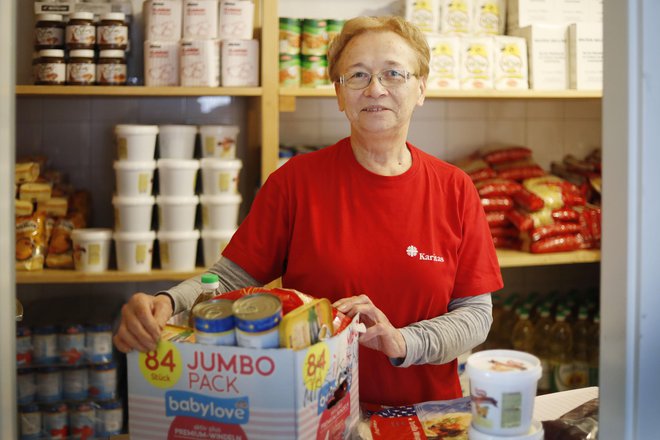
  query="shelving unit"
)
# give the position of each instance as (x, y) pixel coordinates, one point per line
(26, 90)
(63, 276)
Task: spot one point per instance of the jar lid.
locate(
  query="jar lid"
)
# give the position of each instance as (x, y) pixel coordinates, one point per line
(114, 53)
(113, 16)
(82, 16)
(81, 53)
(55, 53)
(49, 17)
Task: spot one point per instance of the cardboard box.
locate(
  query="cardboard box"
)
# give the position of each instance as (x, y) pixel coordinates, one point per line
(510, 63)
(523, 13)
(185, 390)
(547, 56)
(585, 47)
(445, 62)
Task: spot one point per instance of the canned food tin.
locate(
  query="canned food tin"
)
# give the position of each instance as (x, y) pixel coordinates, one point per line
(289, 70)
(25, 385)
(334, 28)
(214, 322)
(23, 346)
(103, 381)
(257, 319)
(314, 37)
(314, 71)
(45, 345)
(82, 418)
(290, 35)
(75, 382)
(98, 343)
(71, 344)
(109, 418)
(56, 421)
(30, 422)
(49, 384)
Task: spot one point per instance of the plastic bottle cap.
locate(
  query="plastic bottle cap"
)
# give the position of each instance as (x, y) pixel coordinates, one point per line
(210, 278)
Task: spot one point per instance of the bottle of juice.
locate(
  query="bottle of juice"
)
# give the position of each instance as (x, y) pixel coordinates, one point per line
(581, 341)
(210, 285)
(594, 350)
(522, 338)
(542, 329)
(561, 351)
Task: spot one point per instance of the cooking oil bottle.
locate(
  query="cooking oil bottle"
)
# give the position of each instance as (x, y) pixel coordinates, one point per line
(210, 285)
(581, 341)
(542, 329)
(561, 351)
(522, 338)
(594, 350)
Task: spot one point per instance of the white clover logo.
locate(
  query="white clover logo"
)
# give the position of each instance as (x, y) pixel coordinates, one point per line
(411, 251)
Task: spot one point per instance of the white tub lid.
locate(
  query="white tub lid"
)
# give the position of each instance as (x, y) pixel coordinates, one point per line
(133, 201)
(185, 164)
(218, 233)
(177, 200)
(91, 234)
(216, 163)
(178, 235)
(129, 165)
(220, 199)
(502, 364)
(228, 129)
(134, 236)
(175, 127)
(136, 129)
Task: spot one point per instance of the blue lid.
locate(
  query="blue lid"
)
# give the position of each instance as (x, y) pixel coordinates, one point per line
(23, 331)
(283, 153)
(29, 408)
(44, 330)
(99, 327)
(103, 367)
(109, 404)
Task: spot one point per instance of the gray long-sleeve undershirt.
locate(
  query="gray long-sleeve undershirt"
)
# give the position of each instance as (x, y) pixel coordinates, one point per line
(433, 341)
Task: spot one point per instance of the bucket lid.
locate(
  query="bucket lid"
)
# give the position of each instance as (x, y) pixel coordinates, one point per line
(225, 129)
(91, 234)
(498, 365)
(133, 201)
(215, 163)
(178, 235)
(220, 199)
(177, 200)
(174, 128)
(129, 165)
(134, 236)
(136, 129)
(186, 164)
(535, 433)
(218, 233)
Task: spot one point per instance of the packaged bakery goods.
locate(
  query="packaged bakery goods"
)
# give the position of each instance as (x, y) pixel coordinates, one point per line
(31, 241)
(35, 191)
(26, 172)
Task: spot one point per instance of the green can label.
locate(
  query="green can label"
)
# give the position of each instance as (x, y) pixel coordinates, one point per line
(289, 70)
(314, 71)
(290, 35)
(314, 37)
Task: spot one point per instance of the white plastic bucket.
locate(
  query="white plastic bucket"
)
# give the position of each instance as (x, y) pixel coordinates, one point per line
(220, 176)
(177, 177)
(219, 141)
(136, 143)
(535, 433)
(91, 249)
(220, 211)
(134, 178)
(176, 213)
(213, 243)
(134, 250)
(176, 141)
(133, 214)
(178, 249)
(503, 388)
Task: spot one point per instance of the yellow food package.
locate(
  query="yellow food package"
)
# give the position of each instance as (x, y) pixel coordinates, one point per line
(30, 241)
(306, 325)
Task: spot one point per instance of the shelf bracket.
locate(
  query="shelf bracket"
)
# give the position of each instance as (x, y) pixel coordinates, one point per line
(287, 104)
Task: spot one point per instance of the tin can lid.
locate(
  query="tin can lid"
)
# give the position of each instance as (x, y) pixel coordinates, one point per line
(72, 329)
(99, 327)
(257, 312)
(44, 330)
(109, 404)
(55, 407)
(104, 367)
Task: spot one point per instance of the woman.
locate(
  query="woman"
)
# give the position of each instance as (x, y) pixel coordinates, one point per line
(372, 223)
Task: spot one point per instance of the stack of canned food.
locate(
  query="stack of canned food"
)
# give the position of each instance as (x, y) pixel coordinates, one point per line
(304, 49)
(67, 382)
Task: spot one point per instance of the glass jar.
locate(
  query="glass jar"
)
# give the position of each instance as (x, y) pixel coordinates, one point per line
(49, 32)
(51, 69)
(111, 68)
(112, 31)
(80, 31)
(81, 69)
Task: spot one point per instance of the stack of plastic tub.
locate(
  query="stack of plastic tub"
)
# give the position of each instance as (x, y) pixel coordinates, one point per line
(177, 201)
(220, 197)
(133, 201)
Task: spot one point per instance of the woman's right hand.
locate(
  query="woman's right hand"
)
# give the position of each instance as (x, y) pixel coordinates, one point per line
(143, 319)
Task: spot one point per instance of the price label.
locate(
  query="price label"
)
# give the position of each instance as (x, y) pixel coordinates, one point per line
(316, 366)
(162, 367)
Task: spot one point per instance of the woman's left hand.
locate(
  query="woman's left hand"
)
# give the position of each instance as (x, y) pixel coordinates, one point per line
(381, 335)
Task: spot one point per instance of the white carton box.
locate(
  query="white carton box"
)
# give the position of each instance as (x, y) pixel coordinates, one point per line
(424, 13)
(200, 19)
(185, 390)
(161, 63)
(240, 63)
(489, 17)
(574, 11)
(163, 20)
(444, 67)
(236, 20)
(456, 17)
(547, 56)
(522, 13)
(476, 63)
(200, 63)
(510, 63)
(585, 47)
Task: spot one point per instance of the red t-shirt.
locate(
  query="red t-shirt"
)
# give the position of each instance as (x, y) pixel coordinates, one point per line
(412, 242)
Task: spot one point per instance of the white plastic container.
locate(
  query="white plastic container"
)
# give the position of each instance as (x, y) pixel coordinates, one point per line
(133, 214)
(134, 178)
(503, 388)
(176, 141)
(178, 249)
(240, 63)
(136, 143)
(91, 249)
(219, 140)
(176, 213)
(220, 211)
(161, 63)
(200, 63)
(213, 243)
(535, 433)
(177, 177)
(220, 176)
(134, 250)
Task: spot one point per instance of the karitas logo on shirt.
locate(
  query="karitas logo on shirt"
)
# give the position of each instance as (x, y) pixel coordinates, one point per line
(413, 252)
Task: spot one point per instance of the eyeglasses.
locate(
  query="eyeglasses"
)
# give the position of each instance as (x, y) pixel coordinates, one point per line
(390, 79)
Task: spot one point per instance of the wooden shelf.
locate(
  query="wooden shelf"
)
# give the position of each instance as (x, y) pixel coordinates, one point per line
(112, 276)
(462, 94)
(509, 258)
(26, 90)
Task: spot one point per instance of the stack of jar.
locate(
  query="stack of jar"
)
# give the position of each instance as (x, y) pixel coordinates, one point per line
(67, 382)
(304, 49)
(80, 51)
(185, 41)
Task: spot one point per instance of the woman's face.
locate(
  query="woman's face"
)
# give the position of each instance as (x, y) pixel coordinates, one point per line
(378, 109)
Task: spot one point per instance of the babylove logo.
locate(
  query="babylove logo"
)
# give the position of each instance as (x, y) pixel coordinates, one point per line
(413, 252)
(186, 404)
